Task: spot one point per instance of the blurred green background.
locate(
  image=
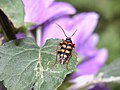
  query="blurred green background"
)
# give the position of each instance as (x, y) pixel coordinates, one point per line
(108, 27)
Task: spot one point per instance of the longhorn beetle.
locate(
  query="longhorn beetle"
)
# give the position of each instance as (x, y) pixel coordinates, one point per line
(65, 50)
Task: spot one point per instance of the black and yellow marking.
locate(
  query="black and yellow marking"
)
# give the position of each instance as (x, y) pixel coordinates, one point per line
(64, 46)
(69, 47)
(65, 50)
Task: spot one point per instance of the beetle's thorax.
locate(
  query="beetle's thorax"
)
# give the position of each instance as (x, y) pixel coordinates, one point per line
(68, 39)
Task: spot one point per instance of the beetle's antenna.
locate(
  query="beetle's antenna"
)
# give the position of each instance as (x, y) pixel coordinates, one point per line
(73, 33)
(62, 29)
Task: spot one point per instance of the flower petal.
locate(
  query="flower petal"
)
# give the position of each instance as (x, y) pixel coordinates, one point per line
(85, 24)
(40, 10)
(20, 35)
(59, 11)
(47, 3)
(88, 48)
(100, 86)
(80, 81)
(53, 31)
(85, 27)
(92, 65)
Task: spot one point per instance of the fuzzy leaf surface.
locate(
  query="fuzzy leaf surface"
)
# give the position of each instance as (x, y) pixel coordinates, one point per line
(14, 10)
(23, 63)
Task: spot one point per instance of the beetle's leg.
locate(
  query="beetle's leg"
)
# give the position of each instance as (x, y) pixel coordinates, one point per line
(56, 48)
(75, 53)
(57, 52)
(56, 58)
(68, 61)
(73, 45)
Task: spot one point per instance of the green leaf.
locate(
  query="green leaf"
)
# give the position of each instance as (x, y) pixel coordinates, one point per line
(112, 69)
(14, 10)
(106, 41)
(17, 63)
(51, 76)
(109, 74)
(22, 64)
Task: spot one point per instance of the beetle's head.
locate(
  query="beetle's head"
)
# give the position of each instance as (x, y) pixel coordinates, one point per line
(68, 39)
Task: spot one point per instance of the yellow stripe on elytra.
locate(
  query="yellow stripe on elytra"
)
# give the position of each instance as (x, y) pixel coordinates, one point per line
(70, 43)
(69, 47)
(62, 50)
(67, 51)
(65, 56)
(64, 46)
(61, 55)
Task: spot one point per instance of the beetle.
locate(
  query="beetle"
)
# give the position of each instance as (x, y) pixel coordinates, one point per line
(65, 52)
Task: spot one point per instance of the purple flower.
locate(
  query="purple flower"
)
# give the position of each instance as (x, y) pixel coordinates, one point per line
(100, 86)
(85, 40)
(39, 11)
(49, 12)
(91, 64)
(82, 81)
(20, 35)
